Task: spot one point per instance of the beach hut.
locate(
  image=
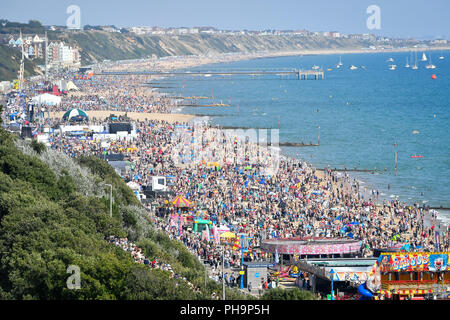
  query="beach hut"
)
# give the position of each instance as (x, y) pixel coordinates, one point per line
(75, 115)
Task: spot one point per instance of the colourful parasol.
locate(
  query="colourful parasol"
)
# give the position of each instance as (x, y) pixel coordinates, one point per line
(181, 202)
(228, 235)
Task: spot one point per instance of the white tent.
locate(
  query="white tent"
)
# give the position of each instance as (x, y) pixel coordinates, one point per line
(66, 85)
(133, 185)
(71, 86)
(47, 98)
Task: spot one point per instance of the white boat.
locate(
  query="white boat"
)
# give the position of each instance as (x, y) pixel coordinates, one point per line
(352, 67)
(340, 62)
(441, 57)
(430, 65)
(315, 67)
(415, 67)
(392, 67)
(390, 60)
(407, 63)
(424, 57)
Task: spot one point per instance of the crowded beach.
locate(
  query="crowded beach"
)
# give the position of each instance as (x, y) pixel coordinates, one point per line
(246, 193)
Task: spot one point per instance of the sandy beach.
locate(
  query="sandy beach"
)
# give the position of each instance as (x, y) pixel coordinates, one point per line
(173, 63)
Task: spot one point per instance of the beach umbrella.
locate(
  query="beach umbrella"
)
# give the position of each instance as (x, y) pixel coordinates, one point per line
(75, 113)
(228, 235)
(181, 202)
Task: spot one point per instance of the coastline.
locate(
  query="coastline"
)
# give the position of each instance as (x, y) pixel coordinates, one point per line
(427, 216)
(177, 63)
(173, 63)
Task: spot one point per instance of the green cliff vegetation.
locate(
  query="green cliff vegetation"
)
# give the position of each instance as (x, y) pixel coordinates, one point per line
(98, 45)
(54, 212)
(10, 64)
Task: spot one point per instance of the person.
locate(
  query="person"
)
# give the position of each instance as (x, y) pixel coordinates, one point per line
(249, 287)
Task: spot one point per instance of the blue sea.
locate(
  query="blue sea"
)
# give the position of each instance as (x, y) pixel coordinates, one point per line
(361, 113)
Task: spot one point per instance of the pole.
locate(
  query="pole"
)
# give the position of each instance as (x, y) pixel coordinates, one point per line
(395, 148)
(332, 278)
(332, 296)
(46, 57)
(242, 262)
(179, 222)
(110, 200)
(318, 137)
(223, 275)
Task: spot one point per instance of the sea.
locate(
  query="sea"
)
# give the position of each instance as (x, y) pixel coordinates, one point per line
(365, 116)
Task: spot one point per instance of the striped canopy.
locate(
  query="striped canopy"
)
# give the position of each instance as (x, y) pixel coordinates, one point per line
(75, 113)
(181, 202)
(228, 235)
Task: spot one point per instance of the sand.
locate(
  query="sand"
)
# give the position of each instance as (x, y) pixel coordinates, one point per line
(102, 114)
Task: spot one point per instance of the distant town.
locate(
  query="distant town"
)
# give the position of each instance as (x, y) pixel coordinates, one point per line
(62, 55)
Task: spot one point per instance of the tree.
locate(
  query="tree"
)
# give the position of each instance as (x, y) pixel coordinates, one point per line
(288, 294)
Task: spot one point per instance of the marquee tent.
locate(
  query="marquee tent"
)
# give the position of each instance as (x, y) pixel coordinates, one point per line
(75, 114)
(47, 98)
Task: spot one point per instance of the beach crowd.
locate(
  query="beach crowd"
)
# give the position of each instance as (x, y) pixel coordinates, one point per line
(235, 181)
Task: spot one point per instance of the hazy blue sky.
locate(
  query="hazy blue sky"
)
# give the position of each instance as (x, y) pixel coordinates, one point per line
(403, 18)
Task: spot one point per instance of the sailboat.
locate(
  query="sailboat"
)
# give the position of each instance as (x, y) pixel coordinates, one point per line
(415, 67)
(340, 63)
(430, 65)
(392, 67)
(407, 63)
(390, 60)
(352, 67)
(424, 57)
(442, 56)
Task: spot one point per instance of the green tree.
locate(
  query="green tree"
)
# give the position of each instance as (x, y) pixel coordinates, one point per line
(288, 294)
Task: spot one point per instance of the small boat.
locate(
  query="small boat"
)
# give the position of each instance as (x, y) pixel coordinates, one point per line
(407, 63)
(390, 60)
(352, 67)
(392, 67)
(340, 62)
(424, 57)
(442, 56)
(315, 67)
(415, 67)
(430, 65)
(416, 156)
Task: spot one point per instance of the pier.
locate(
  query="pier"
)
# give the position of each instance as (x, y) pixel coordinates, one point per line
(299, 74)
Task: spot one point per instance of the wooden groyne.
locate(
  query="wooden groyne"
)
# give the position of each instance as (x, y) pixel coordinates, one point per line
(204, 105)
(298, 144)
(439, 208)
(349, 170)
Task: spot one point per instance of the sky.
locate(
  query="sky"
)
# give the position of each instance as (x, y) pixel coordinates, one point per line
(398, 18)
